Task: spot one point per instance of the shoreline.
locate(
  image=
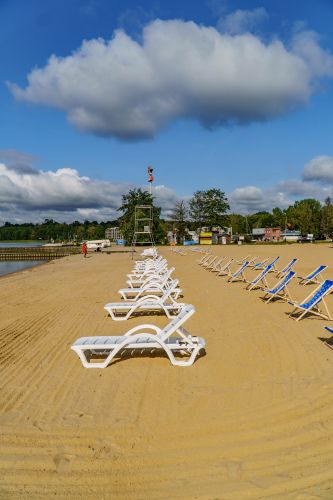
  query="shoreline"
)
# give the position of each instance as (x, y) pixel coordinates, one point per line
(252, 418)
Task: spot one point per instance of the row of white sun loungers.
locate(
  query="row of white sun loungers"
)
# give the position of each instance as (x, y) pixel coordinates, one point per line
(223, 266)
(150, 289)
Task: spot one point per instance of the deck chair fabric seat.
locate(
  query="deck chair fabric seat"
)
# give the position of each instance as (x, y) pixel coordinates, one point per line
(310, 305)
(173, 339)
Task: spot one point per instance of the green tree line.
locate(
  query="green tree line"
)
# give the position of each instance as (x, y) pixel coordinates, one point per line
(205, 209)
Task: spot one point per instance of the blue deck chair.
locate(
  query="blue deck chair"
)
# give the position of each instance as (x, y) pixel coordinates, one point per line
(280, 290)
(312, 277)
(239, 274)
(287, 268)
(225, 269)
(274, 261)
(311, 303)
(217, 266)
(261, 278)
(259, 265)
(241, 261)
(329, 329)
(209, 264)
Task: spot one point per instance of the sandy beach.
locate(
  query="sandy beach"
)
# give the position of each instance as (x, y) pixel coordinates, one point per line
(252, 418)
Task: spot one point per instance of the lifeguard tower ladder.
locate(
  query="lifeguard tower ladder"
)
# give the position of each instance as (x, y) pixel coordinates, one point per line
(143, 226)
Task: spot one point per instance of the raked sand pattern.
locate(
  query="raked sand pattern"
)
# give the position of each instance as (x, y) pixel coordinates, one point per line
(253, 418)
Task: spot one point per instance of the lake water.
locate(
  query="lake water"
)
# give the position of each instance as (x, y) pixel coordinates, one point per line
(7, 267)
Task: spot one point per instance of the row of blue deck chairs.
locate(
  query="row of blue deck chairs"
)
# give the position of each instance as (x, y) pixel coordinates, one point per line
(311, 304)
(150, 290)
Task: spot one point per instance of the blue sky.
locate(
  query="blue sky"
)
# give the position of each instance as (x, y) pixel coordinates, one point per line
(236, 95)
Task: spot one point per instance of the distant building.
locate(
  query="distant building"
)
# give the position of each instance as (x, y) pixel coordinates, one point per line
(272, 234)
(258, 233)
(266, 233)
(291, 236)
(113, 234)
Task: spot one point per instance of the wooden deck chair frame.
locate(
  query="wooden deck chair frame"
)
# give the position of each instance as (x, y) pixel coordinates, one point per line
(208, 261)
(316, 297)
(203, 259)
(140, 338)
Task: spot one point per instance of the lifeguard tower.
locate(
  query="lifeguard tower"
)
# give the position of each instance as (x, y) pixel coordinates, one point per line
(143, 221)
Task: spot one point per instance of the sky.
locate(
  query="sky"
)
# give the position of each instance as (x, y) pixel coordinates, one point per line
(235, 95)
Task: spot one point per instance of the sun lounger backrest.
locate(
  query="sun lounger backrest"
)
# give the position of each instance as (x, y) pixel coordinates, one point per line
(171, 327)
(323, 290)
(282, 283)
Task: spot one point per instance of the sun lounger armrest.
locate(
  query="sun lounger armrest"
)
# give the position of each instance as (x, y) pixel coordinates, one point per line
(135, 329)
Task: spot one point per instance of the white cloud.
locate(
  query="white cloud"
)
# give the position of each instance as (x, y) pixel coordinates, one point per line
(319, 169)
(316, 182)
(181, 70)
(241, 21)
(251, 199)
(65, 195)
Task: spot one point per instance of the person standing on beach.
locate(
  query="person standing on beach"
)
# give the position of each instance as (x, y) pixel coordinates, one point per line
(84, 249)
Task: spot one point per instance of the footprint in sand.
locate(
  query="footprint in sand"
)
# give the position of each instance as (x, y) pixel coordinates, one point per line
(83, 417)
(234, 469)
(63, 461)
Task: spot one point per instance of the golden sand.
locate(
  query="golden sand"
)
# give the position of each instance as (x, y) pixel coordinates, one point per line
(253, 418)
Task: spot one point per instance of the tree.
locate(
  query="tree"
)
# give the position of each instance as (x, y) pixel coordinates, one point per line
(207, 208)
(305, 216)
(126, 221)
(327, 218)
(178, 217)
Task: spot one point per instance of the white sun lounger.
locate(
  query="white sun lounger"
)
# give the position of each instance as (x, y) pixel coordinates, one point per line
(161, 278)
(152, 288)
(173, 339)
(121, 311)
